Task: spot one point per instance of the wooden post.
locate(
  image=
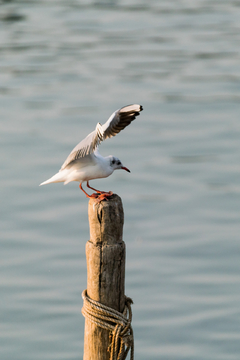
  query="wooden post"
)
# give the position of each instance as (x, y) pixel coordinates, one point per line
(105, 253)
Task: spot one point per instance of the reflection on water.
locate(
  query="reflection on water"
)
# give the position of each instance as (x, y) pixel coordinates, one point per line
(64, 66)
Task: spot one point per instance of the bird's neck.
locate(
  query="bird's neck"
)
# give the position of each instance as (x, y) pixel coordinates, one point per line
(104, 164)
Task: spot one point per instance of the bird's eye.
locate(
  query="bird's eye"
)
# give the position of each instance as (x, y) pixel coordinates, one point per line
(119, 163)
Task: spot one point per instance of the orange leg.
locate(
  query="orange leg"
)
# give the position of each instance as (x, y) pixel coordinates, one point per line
(101, 195)
(98, 191)
(89, 196)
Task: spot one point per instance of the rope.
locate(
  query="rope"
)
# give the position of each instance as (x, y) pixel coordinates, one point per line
(119, 325)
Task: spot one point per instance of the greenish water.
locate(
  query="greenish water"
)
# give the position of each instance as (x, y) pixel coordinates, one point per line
(64, 66)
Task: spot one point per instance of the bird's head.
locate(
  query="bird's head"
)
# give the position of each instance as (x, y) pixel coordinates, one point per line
(115, 164)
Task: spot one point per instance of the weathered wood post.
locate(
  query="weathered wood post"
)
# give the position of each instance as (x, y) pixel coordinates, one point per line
(105, 254)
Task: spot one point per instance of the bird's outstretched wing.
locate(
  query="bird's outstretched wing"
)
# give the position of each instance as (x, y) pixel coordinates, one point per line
(117, 122)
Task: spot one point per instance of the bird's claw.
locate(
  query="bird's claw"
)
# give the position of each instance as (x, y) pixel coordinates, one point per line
(104, 196)
(94, 195)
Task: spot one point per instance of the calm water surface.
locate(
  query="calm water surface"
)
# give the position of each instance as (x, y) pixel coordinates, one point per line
(64, 66)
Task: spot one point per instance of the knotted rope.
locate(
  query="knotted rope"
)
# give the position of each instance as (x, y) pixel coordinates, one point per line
(119, 325)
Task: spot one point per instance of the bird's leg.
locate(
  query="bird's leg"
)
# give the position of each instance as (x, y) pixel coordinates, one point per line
(101, 195)
(99, 191)
(89, 196)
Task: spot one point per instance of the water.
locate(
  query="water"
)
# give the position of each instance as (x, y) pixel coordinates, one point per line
(64, 65)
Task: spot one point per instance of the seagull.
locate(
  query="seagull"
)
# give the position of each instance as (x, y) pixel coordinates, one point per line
(85, 163)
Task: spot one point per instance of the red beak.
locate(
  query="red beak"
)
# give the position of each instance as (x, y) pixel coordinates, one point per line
(124, 168)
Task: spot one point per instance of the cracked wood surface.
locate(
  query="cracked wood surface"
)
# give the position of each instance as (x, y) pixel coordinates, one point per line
(105, 254)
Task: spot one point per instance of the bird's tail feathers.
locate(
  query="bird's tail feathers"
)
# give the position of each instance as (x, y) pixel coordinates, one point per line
(59, 177)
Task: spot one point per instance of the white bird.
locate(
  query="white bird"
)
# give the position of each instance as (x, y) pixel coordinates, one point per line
(85, 163)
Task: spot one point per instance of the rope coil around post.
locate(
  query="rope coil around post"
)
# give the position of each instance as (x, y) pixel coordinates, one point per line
(119, 325)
